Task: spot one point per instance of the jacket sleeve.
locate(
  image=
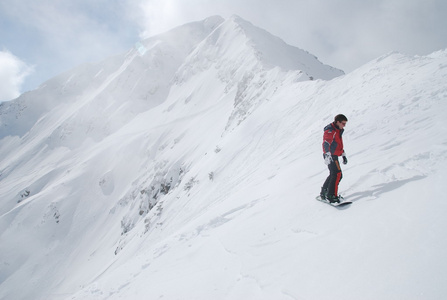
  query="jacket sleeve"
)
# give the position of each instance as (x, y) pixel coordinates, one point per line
(328, 138)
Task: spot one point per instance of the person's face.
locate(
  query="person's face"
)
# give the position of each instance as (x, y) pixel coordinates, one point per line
(341, 124)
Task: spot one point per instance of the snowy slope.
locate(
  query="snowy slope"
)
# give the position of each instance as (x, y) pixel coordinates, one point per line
(119, 87)
(209, 193)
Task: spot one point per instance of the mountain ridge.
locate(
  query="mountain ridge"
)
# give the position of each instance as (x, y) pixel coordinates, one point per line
(145, 88)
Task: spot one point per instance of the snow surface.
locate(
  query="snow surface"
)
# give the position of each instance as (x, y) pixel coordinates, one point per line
(188, 167)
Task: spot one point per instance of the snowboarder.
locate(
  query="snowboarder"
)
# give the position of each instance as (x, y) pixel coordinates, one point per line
(332, 149)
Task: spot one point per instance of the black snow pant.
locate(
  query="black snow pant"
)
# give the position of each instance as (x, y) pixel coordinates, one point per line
(335, 175)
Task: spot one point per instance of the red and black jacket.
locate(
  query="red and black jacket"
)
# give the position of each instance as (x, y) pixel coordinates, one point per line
(332, 140)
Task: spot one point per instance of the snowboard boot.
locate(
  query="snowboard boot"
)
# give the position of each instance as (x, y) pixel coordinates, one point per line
(323, 194)
(333, 199)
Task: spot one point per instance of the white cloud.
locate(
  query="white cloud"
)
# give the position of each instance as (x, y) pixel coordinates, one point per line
(56, 36)
(157, 16)
(12, 74)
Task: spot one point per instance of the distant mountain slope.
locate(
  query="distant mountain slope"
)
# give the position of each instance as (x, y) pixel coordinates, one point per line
(125, 84)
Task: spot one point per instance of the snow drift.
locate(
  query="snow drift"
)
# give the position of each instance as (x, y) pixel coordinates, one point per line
(188, 168)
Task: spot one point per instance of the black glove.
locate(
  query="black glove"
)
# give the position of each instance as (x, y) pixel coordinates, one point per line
(345, 159)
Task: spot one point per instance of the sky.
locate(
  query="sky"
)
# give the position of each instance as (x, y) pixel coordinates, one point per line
(40, 39)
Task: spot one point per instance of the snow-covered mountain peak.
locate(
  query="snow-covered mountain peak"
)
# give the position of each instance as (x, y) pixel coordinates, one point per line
(240, 43)
(183, 37)
(274, 52)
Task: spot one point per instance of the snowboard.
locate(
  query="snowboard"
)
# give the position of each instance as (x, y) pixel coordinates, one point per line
(341, 204)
